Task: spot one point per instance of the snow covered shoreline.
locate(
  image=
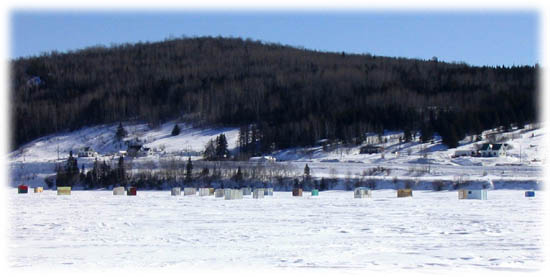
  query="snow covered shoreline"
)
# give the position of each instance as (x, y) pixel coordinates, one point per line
(423, 165)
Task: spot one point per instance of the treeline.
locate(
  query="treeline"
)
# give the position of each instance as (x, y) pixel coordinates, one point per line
(101, 175)
(281, 96)
(172, 172)
(222, 174)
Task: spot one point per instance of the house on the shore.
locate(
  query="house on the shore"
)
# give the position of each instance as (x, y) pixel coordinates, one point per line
(145, 151)
(263, 159)
(139, 151)
(493, 150)
(86, 152)
(133, 150)
(387, 136)
(136, 148)
(464, 153)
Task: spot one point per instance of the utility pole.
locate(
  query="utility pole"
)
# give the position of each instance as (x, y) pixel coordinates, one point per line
(520, 153)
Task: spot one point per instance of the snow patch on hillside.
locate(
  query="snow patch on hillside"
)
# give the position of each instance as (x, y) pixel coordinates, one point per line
(102, 139)
(525, 148)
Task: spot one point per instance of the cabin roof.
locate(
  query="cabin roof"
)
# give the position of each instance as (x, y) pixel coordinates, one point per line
(492, 146)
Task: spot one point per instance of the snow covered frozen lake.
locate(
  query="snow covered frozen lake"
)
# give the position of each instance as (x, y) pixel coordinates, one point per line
(430, 231)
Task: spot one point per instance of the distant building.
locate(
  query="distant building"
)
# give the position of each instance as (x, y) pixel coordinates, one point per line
(134, 147)
(493, 150)
(136, 150)
(263, 159)
(464, 153)
(371, 149)
(133, 150)
(145, 151)
(86, 152)
(388, 136)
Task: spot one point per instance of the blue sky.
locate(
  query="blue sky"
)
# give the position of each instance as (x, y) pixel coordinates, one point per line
(477, 38)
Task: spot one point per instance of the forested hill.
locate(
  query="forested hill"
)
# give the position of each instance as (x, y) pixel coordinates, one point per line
(281, 96)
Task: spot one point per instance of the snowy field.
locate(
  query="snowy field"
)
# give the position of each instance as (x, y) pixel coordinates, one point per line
(432, 231)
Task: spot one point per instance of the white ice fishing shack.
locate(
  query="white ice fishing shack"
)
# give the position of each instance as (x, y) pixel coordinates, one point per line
(480, 194)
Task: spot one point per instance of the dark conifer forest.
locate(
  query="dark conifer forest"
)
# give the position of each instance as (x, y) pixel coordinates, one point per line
(280, 96)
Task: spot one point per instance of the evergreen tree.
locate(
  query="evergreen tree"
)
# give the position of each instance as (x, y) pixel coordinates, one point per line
(407, 135)
(209, 153)
(60, 176)
(82, 175)
(69, 174)
(323, 185)
(296, 184)
(105, 177)
(95, 174)
(243, 143)
(204, 176)
(307, 175)
(426, 133)
(120, 132)
(72, 170)
(176, 130)
(221, 147)
(121, 172)
(450, 138)
(189, 171)
(72, 165)
(238, 177)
